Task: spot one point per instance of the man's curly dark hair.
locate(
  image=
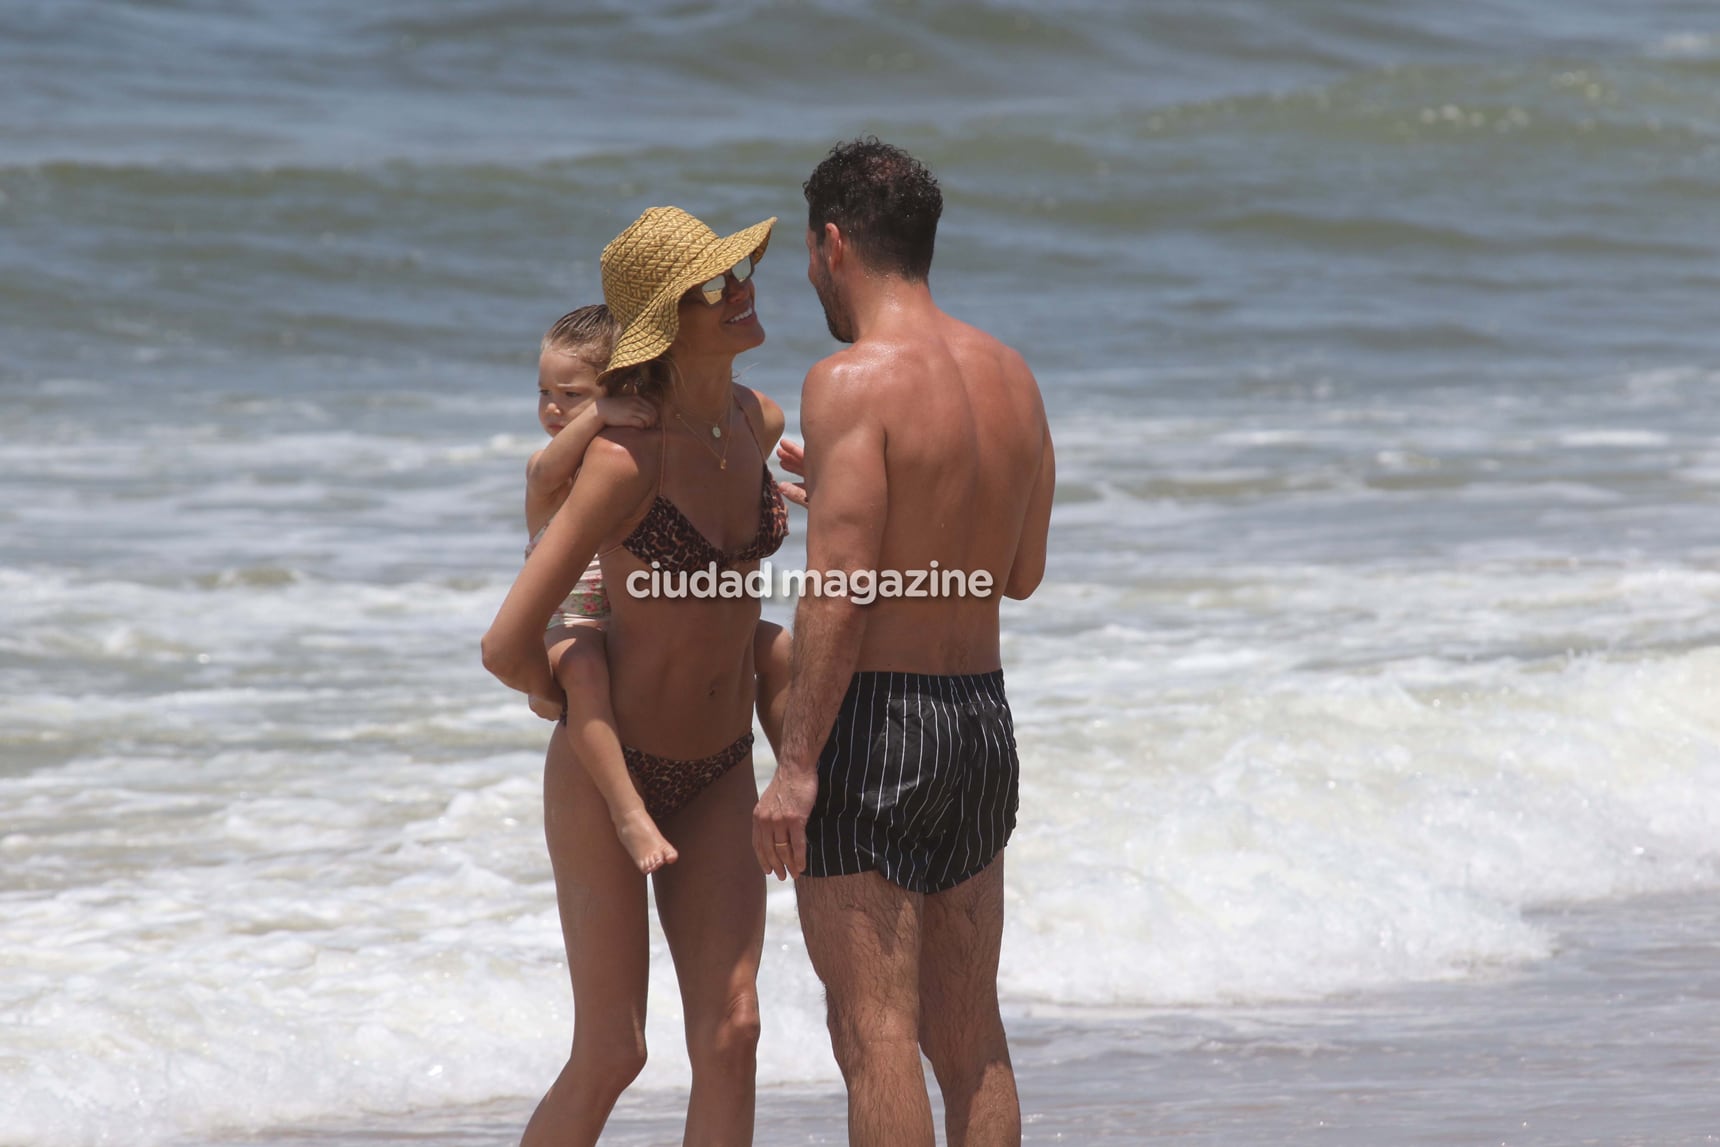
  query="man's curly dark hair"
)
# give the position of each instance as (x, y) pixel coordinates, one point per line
(883, 199)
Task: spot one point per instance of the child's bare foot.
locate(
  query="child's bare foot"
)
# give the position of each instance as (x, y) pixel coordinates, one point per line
(639, 836)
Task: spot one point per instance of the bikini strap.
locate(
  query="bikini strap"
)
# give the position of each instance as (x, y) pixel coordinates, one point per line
(662, 451)
(757, 445)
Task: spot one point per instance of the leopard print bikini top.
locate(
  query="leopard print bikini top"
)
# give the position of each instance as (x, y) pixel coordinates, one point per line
(666, 536)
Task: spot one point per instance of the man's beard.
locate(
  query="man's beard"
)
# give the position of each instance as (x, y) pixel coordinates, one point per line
(836, 316)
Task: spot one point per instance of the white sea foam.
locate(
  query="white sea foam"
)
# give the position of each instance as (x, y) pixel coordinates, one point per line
(240, 937)
(1325, 834)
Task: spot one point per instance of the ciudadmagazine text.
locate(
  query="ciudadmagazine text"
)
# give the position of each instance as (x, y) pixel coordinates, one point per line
(862, 587)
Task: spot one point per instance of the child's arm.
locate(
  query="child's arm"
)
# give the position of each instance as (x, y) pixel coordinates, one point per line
(551, 469)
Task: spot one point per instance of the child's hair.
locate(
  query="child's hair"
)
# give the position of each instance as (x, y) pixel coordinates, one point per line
(588, 333)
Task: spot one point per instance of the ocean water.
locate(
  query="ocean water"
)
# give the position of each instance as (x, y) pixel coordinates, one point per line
(1380, 636)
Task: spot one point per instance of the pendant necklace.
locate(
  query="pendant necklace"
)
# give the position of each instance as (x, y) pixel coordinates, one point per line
(716, 430)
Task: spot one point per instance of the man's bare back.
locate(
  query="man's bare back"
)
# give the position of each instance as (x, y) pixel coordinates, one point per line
(965, 452)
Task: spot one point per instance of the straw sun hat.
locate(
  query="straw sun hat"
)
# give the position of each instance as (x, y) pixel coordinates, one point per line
(661, 256)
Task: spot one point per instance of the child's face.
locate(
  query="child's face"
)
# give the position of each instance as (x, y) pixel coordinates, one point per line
(565, 383)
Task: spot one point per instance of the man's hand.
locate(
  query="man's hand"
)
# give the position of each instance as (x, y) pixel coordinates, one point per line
(793, 459)
(779, 822)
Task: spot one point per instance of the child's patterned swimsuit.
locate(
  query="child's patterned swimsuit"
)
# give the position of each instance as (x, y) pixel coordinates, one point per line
(588, 601)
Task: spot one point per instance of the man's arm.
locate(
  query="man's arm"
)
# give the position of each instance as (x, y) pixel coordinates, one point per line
(844, 531)
(609, 488)
(1028, 568)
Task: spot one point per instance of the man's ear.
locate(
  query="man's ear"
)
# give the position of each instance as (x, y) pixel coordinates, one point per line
(834, 245)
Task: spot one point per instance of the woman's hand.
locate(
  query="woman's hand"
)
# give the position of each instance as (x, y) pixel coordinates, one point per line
(793, 459)
(625, 410)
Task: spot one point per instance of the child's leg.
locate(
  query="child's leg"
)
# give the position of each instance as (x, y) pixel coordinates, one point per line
(771, 647)
(577, 653)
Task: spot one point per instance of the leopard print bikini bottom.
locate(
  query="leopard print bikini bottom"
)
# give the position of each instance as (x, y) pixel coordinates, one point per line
(668, 785)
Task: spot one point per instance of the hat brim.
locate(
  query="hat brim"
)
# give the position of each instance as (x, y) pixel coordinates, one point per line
(653, 330)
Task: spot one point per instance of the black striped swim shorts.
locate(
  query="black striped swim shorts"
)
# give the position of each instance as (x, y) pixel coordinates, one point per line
(918, 781)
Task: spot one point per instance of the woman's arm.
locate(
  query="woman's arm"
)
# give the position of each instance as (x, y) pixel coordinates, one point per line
(610, 487)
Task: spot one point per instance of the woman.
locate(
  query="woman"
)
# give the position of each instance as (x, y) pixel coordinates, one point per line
(693, 491)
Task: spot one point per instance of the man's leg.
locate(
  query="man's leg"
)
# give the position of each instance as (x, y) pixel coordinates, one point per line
(863, 935)
(961, 933)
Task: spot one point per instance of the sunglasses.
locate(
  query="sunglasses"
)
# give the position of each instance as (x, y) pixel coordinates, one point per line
(712, 289)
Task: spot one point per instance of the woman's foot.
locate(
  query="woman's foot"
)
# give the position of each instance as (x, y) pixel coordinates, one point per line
(639, 836)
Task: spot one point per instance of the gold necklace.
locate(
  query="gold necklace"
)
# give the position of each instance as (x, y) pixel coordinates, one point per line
(715, 428)
(716, 432)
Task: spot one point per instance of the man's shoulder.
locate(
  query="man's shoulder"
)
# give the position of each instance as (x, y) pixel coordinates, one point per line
(977, 343)
(880, 358)
(854, 370)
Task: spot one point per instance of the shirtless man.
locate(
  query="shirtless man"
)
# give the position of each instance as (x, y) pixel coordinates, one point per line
(895, 792)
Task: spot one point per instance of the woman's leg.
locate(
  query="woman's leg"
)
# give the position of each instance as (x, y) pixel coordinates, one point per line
(712, 909)
(601, 897)
(772, 645)
(581, 668)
